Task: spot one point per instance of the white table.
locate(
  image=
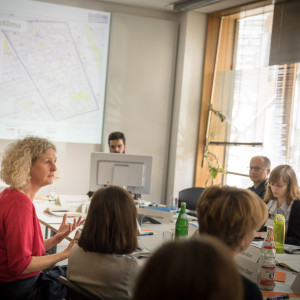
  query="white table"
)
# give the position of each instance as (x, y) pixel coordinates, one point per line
(150, 242)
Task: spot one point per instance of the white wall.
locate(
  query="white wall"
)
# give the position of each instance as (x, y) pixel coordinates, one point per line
(187, 103)
(140, 89)
(144, 69)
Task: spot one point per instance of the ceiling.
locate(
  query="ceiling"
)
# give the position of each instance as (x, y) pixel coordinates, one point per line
(167, 5)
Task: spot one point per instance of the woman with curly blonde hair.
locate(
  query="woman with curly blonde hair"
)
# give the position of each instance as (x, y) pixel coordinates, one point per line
(28, 165)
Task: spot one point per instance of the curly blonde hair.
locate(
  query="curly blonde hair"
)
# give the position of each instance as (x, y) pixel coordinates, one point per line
(19, 157)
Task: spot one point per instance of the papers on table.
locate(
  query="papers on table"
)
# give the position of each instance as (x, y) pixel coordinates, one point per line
(59, 211)
(71, 200)
(48, 218)
(140, 253)
(289, 261)
(72, 205)
(291, 249)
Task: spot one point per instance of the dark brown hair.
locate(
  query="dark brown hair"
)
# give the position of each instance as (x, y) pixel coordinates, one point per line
(116, 135)
(288, 175)
(230, 213)
(111, 223)
(194, 269)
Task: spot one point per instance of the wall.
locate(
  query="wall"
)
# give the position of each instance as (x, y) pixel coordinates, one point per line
(187, 102)
(140, 89)
(158, 119)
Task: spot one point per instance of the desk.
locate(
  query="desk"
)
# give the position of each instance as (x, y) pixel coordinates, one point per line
(51, 223)
(150, 242)
(248, 266)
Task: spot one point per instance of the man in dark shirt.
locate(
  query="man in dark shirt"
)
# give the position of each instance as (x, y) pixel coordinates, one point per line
(259, 171)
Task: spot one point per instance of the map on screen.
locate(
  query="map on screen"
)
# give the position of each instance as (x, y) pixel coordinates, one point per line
(53, 62)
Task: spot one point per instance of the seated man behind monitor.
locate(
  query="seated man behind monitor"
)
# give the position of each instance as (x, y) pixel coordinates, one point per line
(259, 171)
(117, 142)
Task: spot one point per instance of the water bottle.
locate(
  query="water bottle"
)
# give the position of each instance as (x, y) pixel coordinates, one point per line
(182, 226)
(279, 232)
(267, 264)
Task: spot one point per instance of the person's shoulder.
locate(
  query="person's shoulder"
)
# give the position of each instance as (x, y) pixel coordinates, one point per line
(16, 198)
(251, 290)
(296, 205)
(127, 259)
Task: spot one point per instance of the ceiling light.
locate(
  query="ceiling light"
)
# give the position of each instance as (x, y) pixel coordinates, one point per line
(184, 5)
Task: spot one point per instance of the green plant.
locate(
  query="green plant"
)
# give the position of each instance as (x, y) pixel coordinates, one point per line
(217, 113)
(213, 168)
(214, 165)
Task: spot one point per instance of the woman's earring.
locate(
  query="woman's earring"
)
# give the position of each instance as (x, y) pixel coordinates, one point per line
(242, 249)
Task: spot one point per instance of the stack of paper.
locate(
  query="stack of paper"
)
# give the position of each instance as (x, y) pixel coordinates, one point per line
(59, 211)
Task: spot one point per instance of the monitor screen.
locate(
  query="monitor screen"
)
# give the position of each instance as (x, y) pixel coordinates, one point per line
(133, 172)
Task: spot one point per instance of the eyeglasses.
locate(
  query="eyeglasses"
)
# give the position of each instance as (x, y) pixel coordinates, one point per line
(257, 169)
(277, 185)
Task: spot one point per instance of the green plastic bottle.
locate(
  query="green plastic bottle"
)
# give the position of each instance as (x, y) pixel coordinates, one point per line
(279, 233)
(182, 226)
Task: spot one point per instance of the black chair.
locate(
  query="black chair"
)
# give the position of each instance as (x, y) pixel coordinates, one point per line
(75, 292)
(190, 196)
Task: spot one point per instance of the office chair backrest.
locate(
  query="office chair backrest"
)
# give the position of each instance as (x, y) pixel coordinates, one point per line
(190, 196)
(75, 292)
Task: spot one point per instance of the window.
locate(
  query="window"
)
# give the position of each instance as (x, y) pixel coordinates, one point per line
(261, 102)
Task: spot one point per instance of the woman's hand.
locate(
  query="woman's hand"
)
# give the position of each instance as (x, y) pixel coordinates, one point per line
(73, 242)
(39, 263)
(260, 235)
(66, 228)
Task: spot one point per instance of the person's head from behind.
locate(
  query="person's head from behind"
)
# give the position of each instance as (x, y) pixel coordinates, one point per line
(282, 184)
(231, 214)
(117, 142)
(28, 159)
(259, 169)
(111, 223)
(194, 269)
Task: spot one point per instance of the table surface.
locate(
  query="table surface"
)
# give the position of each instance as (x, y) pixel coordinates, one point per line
(153, 242)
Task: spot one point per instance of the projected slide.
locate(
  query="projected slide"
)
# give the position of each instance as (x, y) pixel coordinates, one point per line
(53, 62)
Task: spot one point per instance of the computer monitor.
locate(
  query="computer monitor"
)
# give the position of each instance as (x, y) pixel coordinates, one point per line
(133, 172)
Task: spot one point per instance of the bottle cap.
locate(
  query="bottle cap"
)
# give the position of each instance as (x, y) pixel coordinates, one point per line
(279, 217)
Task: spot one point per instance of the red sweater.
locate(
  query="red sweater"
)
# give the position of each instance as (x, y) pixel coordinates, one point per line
(20, 235)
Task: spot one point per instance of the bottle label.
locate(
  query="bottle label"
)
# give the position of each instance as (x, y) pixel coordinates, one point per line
(269, 246)
(267, 275)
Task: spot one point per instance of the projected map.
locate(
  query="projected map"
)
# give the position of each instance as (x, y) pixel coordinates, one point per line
(52, 72)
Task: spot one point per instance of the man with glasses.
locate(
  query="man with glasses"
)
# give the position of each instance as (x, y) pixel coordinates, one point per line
(259, 171)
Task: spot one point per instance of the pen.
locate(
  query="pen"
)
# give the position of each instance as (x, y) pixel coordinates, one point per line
(63, 210)
(146, 233)
(279, 297)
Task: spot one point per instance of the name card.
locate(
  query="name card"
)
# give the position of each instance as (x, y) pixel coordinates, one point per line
(71, 200)
(252, 253)
(247, 263)
(158, 215)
